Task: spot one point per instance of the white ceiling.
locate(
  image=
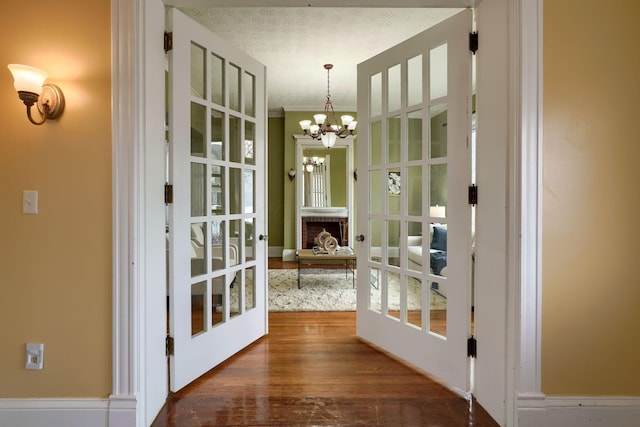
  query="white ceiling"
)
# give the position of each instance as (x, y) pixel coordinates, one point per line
(295, 42)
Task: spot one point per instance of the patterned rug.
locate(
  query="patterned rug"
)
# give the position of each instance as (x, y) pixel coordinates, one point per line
(322, 290)
(327, 290)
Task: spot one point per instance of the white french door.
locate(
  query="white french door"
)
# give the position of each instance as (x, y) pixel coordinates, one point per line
(217, 221)
(414, 157)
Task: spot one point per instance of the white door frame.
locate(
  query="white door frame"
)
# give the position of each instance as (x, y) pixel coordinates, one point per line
(138, 229)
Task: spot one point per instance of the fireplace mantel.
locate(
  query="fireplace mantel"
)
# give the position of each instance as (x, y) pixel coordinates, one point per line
(330, 212)
(341, 216)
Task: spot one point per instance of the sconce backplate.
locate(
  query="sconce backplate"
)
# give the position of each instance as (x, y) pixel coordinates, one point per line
(51, 95)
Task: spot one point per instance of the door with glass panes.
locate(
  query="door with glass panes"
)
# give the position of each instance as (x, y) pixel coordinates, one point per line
(217, 221)
(414, 220)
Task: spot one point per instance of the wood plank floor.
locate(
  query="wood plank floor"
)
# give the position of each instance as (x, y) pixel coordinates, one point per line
(312, 370)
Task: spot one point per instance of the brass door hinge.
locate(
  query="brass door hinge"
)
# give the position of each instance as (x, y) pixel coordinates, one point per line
(168, 41)
(169, 346)
(168, 193)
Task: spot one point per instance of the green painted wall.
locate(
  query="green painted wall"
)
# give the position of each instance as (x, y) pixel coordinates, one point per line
(291, 128)
(278, 178)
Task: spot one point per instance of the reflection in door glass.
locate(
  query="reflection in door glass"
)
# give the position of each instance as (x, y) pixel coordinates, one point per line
(414, 190)
(249, 191)
(198, 68)
(249, 94)
(235, 193)
(249, 133)
(415, 247)
(249, 239)
(218, 255)
(198, 131)
(217, 135)
(393, 139)
(438, 189)
(438, 308)
(217, 79)
(250, 288)
(218, 299)
(414, 302)
(375, 144)
(394, 189)
(198, 249)
(377, 189)
(438, 71)
(234, 87)
(236, 146)
(217, 190)
(393, 295)
(393, 243)
(375, 240)
(393, 88)
(414, 80)
(235, 244)
(198, 189)
(414, 135)
(198, 307)
(438, 136)
(376, 95)
(375, 285)
(234, 293)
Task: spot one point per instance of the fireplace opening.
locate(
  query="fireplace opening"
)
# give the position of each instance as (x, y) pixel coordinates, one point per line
(312, 226)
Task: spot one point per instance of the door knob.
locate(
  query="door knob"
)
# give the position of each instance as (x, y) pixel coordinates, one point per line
(262, 237)
(360, 238)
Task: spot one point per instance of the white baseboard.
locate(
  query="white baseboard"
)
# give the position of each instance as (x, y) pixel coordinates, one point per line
(61, 412)
(288, 254)
(575, 411)
(275, 251)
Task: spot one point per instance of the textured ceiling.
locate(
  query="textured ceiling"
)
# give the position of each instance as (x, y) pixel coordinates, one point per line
(294, 43)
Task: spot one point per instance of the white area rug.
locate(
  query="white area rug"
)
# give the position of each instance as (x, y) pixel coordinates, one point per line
(322, 290)
(331, 290)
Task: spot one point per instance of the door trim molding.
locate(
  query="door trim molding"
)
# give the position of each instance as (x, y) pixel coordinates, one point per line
(130, 332)
(127, 333)
(525, 339)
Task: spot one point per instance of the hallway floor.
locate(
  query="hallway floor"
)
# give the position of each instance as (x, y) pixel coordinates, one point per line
(312, 370)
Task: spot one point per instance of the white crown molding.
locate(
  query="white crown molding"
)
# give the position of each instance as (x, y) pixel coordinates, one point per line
(287, 109)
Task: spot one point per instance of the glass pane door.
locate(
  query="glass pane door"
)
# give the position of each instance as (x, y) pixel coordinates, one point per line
(217, 165)
(414, 295)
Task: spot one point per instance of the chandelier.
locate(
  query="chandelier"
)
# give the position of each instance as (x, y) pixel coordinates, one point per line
(323, 129)
(310, 163)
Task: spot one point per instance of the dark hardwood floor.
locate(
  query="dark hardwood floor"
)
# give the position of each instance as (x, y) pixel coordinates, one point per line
(311, 369)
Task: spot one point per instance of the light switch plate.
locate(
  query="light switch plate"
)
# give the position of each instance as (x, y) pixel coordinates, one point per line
(29, 202)
(35, 356)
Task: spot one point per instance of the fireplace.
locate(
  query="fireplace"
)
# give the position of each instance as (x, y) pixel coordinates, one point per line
(312, 225)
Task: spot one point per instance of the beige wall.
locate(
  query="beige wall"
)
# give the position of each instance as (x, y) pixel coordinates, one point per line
(55, 278)
(55, 275)
(591, 226)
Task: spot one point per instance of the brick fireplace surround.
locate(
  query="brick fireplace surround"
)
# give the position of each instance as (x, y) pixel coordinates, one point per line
(312, 225)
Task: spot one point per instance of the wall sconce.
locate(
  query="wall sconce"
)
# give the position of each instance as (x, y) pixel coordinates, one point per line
(355, 174)
(29, 83)
(292, 174)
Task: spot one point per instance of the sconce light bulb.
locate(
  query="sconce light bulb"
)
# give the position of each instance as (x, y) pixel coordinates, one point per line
(29, 83)
(27, 79)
